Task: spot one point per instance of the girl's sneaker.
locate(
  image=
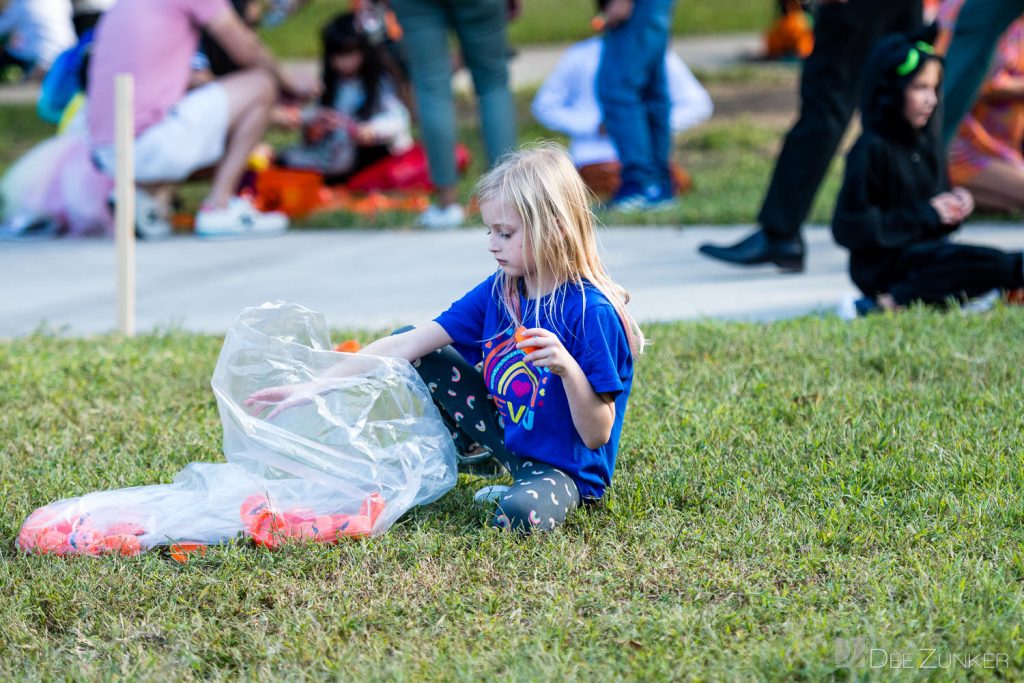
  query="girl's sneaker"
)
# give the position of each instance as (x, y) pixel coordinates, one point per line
(442, 218)
(239, 219)
(488, 495)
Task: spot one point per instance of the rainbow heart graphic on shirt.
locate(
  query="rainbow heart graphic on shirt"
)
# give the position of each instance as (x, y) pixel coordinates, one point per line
(517, 386)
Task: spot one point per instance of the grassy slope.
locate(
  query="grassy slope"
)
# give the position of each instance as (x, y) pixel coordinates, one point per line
(778, 487)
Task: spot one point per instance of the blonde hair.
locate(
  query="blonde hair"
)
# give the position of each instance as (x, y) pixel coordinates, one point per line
(544, 188)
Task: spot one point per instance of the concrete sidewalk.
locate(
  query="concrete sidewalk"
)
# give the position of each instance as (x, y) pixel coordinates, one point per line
(380, 279)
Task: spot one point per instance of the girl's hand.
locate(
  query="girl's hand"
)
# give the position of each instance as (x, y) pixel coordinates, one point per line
(546, 351)
(327, 118)
(364, 135)
(617, 12)
(282, 398)
(286, 116)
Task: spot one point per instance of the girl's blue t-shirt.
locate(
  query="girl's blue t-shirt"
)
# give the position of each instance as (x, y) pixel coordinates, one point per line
(532, 406)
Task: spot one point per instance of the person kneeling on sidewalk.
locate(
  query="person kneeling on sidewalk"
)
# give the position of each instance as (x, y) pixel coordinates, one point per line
(179, 132)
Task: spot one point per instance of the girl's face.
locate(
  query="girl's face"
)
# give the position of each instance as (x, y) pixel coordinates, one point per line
(921, 96)
(505, 231)
(347, 64)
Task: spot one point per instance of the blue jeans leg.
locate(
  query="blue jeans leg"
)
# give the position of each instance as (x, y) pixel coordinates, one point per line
(658, 111)
(630, 90)
(425, 27)
(481, 28)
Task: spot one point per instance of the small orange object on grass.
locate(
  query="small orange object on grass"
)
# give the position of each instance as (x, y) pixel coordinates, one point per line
(181, 551)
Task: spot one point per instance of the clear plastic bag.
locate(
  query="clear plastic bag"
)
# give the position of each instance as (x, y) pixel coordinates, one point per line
(349, 462)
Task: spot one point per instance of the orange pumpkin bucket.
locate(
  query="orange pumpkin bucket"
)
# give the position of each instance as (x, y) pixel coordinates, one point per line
(295, 193)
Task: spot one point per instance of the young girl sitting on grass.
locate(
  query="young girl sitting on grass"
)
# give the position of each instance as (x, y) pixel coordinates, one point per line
(896, 210)
(560, 385)
(360, 119)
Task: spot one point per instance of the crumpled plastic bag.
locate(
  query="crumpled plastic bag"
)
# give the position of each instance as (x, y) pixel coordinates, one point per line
(350, 462)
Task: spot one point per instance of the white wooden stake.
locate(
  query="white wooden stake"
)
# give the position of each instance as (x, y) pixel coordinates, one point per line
(124, 191)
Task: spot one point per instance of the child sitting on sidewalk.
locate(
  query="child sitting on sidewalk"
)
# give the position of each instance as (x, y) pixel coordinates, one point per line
(559, 387)
(895, 211)
(361, 118)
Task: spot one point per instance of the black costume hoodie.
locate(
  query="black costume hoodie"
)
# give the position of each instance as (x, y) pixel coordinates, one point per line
(891, 173)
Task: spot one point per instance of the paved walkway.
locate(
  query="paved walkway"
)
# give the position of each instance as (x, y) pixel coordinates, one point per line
(380, 279)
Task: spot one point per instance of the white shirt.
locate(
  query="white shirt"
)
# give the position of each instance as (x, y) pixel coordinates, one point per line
(39, 30)
(567, 101)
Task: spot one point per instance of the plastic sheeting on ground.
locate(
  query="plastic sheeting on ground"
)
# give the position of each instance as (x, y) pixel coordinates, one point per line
(348, 462)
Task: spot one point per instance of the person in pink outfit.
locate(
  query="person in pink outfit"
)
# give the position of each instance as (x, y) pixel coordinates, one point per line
(986, 156)
(180, 131)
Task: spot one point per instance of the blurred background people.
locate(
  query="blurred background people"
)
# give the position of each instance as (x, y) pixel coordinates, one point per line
(180, 131)
(830, 85)
(32, 34)
(633, 91)
(566, 102)
(986, 156)
(480, 26)
(360, 118)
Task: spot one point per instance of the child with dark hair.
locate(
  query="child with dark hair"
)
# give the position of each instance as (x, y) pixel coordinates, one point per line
(360, 118)
(896, 209)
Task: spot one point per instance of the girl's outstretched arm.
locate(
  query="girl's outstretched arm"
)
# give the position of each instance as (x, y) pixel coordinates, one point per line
(410, 345)
(593, 414)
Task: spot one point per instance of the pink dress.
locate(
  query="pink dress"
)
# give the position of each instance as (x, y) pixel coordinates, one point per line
(993, 129)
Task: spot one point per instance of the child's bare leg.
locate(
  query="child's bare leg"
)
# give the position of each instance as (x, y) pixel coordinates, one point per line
(251, 94)
(999, 186)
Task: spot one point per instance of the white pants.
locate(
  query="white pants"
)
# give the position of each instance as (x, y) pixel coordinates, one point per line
(190, 137)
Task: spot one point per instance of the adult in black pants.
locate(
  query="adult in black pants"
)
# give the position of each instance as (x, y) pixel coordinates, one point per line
(844, 33)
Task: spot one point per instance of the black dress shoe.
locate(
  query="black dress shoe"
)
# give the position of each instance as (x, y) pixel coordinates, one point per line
(787, 254)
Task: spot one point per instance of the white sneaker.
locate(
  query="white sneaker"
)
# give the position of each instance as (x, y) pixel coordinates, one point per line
(982, 304)
(239, 219)
(438, 218)
(847, 308)
(150, 217)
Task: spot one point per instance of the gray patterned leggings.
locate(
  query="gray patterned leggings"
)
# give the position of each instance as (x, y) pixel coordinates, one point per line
(541, 496)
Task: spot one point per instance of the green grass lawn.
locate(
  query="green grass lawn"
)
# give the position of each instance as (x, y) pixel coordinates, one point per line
(778, 487)
(542, 21)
